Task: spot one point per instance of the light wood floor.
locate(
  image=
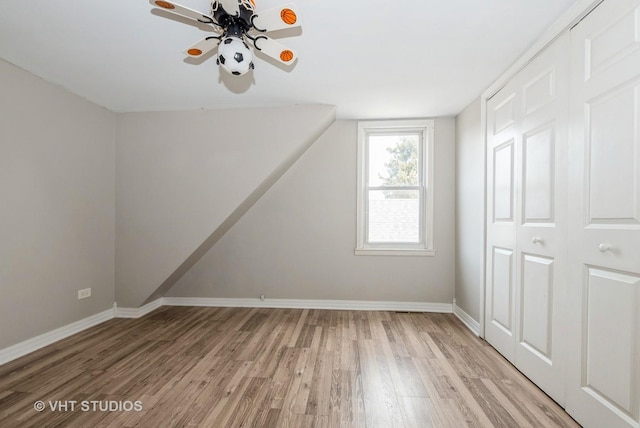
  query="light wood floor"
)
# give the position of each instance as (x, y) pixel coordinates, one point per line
(241, 367)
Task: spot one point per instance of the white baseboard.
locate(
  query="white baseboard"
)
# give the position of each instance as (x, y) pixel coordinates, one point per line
(138, 312)
(356, 305)
(466, 319)
(35, 343)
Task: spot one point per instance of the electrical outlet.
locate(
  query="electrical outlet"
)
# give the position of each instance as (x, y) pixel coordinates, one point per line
(262, 297)
(84, 293)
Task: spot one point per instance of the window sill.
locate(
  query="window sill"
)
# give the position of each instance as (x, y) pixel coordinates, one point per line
(394, 252)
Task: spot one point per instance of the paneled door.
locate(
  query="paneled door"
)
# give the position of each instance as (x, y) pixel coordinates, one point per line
(542, 227)
(603, 383)
(500, 324)
(527, 137)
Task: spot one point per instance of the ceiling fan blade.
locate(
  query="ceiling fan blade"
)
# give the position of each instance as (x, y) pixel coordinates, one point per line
(275, 50)
(203, 46)
(278, 18)
(184, 11)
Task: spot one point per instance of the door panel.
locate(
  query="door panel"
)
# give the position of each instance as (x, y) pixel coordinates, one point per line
(612, 121)
(502, 310)
(503, 186)
(603, 370)
(617, 39)
(536, 330)
(539, 91)
(504, 114)
(611, 308)
(539, 175)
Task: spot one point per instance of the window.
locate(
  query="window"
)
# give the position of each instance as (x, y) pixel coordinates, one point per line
(395, 201)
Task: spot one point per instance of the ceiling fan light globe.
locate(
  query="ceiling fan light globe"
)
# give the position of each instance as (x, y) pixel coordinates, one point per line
(234, 56)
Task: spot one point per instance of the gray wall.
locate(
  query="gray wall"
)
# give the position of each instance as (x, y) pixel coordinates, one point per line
(57, 217)
(470, 196)
(298, 241)
(181, 175)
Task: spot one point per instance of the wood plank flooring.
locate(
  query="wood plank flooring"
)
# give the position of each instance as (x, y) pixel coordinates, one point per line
(249, 367)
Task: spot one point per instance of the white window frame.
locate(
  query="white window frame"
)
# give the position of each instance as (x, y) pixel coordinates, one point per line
(425, 128)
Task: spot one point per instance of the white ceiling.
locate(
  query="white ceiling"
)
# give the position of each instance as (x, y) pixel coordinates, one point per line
(373, 59)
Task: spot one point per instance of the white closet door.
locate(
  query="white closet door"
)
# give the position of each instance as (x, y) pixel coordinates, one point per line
(603, 386)
(542, 227)
(526, 232)
(500, 323)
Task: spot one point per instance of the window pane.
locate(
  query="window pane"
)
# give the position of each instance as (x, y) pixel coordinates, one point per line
(394, 216)
(393, 160)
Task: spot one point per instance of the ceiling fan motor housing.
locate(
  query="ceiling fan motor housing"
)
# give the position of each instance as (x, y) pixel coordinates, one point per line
(233, 24)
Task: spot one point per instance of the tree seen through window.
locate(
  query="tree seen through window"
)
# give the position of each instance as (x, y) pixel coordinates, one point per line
(401, 167)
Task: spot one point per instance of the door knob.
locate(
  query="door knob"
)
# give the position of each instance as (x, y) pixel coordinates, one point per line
(604, 247)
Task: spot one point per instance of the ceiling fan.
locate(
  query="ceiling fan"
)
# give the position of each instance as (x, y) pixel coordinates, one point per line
(237, 24)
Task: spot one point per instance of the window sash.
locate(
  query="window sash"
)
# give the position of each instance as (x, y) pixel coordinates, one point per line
(419, 243)
(367, 151)
(424, 129)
